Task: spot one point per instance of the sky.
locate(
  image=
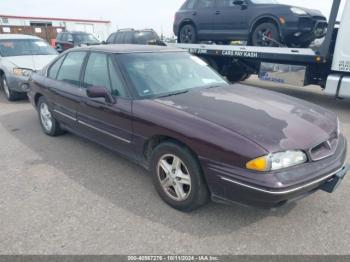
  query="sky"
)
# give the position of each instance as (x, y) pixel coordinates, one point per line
(156, 14)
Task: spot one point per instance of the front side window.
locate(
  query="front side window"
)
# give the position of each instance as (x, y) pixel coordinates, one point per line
(71, 68)
(160, 74)
(85, 39)
(24, 47)
(69, 38)
(145, 37)
(117, 86)
(205, 3)
(226, 3)
(100, 71)
(96, 72)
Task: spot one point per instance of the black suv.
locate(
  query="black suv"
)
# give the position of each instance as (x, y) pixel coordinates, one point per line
(138, 37)
(67, 40)
(259, 22)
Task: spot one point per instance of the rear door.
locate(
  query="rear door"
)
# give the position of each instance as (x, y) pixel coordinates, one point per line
(64, 84)
(203, 17)
(231, 21)
(106, 123)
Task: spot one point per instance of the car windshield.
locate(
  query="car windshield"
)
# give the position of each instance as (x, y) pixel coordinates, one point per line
(145, 37)
(24, 47)
(265, 1)
(163, 74)
(85, 39)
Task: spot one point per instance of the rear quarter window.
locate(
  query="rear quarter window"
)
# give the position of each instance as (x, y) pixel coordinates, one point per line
(189, 5)
(53, 71)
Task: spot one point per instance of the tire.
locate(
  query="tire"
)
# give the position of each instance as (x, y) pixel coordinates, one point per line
(237, 77)
(184, 187)
(48, 123)
(188, 34)
(9, 94)
(268, 29)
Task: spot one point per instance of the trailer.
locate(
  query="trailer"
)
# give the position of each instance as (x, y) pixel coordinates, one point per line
(327, 65)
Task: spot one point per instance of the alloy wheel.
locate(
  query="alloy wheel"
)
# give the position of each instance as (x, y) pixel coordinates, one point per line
(46, 117)
(174, 177)
(6, 87)
(187, 34)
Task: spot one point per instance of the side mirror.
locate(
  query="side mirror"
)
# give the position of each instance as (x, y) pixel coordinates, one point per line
(238, 2)
(104, 43)
(100, 92)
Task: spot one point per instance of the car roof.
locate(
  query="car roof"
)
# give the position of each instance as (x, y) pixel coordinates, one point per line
(18, 36)
(130, 48)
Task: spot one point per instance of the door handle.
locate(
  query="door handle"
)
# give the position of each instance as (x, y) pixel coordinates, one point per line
(217, 12)
(194, 13)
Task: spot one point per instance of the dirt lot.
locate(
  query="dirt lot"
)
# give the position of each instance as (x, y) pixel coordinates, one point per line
(66, 195)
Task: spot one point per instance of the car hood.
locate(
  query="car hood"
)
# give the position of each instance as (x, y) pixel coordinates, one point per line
(274, 121)
(35, 62)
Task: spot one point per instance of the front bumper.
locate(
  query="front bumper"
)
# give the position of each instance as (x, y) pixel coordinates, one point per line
(304, 29)
(18, 84)
(276, 189)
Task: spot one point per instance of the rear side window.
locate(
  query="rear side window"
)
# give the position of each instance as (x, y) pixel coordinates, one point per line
(111, 39)
(129, 37)
(119, 38)
(225, 3)
(55, 67)
(71, 68)
(205, 3)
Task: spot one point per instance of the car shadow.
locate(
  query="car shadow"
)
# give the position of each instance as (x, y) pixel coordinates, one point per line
(125, 184)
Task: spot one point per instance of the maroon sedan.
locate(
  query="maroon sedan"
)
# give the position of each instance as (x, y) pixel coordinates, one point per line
(200, 137)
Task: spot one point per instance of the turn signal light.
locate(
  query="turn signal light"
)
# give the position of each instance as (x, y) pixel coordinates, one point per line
(258, 164)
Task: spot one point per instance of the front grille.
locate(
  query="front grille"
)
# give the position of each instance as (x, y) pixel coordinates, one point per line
(325, 149)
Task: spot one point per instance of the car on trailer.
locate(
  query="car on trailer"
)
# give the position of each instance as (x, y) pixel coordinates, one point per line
(259, 22)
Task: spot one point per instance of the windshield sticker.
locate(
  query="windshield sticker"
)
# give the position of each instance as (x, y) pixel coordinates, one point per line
(199, 61)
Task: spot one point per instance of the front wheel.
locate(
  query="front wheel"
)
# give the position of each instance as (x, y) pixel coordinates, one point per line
(188, 34)
(178, 178)
(266, 34)
(10, 95)
(48, 123)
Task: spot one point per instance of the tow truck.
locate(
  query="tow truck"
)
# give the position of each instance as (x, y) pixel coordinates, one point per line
(327, 65)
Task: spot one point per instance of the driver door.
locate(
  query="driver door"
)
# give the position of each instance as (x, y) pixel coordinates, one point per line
(106, 123)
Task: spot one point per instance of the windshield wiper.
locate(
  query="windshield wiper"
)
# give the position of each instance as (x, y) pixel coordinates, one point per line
(174, 94)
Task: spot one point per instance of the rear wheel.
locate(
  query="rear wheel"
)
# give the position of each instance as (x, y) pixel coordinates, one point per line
(266, 34)
(48, 123)
(10, 95)
(188, 34)
(178, 178)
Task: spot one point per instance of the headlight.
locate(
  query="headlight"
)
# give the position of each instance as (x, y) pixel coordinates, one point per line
(22, 72)
(277, 161)
(298, 11)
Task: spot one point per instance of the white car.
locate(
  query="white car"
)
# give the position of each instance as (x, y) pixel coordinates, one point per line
(20, 55)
